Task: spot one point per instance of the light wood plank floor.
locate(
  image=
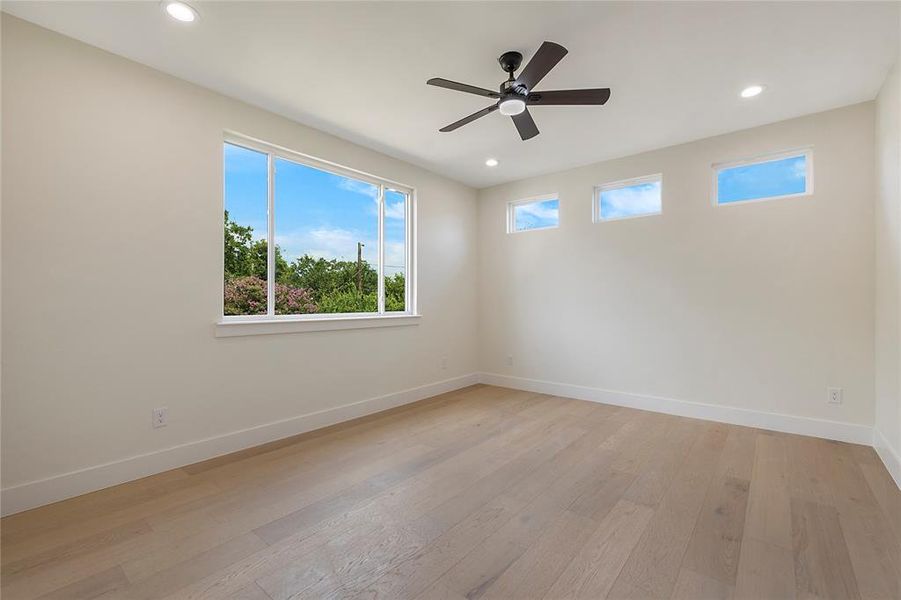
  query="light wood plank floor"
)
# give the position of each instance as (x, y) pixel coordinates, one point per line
(483, 493)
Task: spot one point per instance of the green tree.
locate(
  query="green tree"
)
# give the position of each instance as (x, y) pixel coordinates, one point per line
(259, 251)
(246, 257)
(238, 242)
(326, 277)
(395, 289)
(348, 302)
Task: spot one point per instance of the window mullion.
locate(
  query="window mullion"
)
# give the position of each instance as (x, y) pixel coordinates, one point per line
(270, 240)
(381, 252)
(408, 254)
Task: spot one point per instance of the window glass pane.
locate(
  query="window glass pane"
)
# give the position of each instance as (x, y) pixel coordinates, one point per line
(246, 207)
(395, 250)
(326, 236)
(536, 215)
(762, 180)
(631, 200)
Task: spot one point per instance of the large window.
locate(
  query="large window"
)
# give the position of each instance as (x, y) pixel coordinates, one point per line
(628, 198)
(782, 175)
(306, 239)
(533, 213)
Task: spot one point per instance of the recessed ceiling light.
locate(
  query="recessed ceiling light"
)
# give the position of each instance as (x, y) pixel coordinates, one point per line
(491, 162)
(180, 11)
(751, 91)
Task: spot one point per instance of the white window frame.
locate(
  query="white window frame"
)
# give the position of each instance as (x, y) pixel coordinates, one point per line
(239, 325)
(596, 215)
(806, 152)
(511, 217)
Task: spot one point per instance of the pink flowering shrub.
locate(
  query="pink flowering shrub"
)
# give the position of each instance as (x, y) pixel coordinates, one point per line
(293, 301)
(247, 296)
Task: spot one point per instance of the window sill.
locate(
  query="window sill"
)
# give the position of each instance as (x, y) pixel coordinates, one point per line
(238, 328)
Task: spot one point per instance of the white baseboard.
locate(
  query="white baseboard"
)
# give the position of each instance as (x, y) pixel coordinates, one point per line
(832, 430)
(52, 489)
(890, 457)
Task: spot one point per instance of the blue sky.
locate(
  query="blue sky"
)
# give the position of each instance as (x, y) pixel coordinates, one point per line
(534, 215)
(316, 212)
(762, 180)
(631, 201)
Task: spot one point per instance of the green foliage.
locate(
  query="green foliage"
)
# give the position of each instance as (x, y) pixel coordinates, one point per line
(348, 302)
(328, 277)
(307, 285)
(260, 251)
(394, 292)
(246, 257)
(238, 254)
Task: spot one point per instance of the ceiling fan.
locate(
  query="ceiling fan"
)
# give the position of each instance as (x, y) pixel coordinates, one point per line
(515, 95)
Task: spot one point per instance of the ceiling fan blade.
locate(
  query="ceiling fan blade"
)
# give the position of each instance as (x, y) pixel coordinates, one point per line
(525, 125)
(469, 119)
(558, 97)
(462, 87)
(547, 57)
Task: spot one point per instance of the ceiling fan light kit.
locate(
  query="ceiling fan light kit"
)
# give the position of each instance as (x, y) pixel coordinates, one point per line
(516, 94)
(512, 106)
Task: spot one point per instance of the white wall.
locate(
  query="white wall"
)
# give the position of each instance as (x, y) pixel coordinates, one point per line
(112, 236)
(888, 273)
(758, 306)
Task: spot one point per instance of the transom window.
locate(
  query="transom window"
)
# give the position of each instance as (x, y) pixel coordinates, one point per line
(306, 239)
(782, 175)
(540, 212)
(628, 198)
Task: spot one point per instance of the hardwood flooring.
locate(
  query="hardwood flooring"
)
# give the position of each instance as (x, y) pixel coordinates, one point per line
(482, 493)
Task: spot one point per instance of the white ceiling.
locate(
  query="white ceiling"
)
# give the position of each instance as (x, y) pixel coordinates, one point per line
(358, 70)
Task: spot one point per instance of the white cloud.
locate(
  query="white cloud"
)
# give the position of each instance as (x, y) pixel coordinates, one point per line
(340, 244)
(544, 211)
(629, 201)
(330, 244)
(395, 210)
(358, 187)
(395, 257)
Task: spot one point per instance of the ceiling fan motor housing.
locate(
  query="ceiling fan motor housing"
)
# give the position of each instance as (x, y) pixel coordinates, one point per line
(509, 87)
(510, 61)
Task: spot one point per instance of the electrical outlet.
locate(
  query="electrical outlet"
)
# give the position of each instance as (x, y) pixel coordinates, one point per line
(834, 395)
(160, 417)
(443, 363)
(509, 360)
